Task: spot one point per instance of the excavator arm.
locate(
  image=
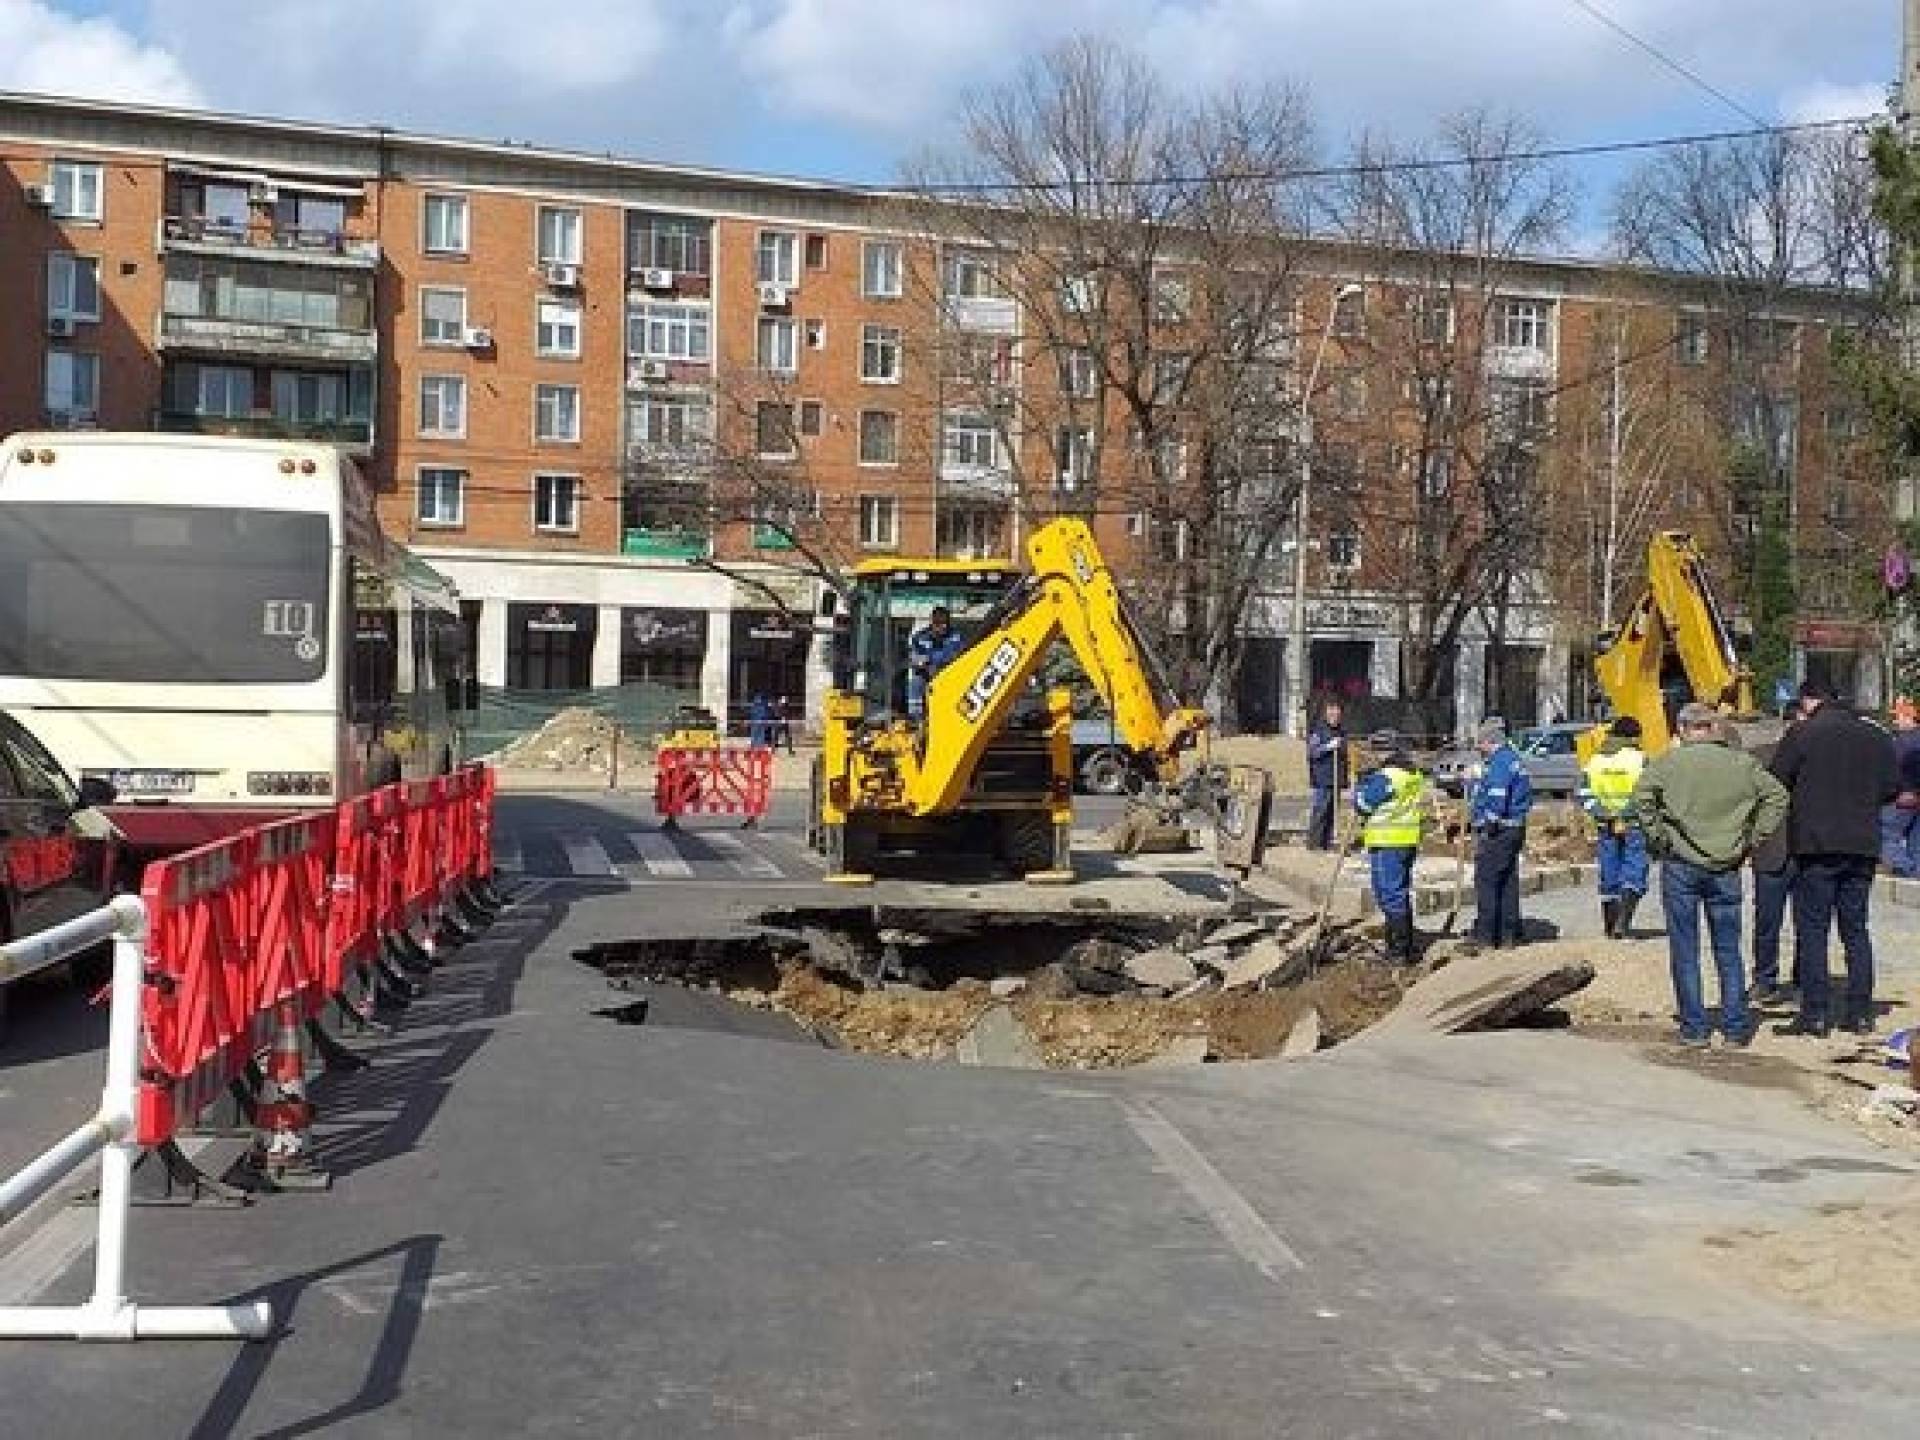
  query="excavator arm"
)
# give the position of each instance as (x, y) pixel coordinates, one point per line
(1070, 594)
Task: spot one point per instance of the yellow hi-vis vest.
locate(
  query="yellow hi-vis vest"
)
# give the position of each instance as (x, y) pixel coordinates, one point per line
(1611, 778)
(1396, 822)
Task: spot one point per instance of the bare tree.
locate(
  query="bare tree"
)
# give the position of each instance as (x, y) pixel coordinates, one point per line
(1458, 356)
(1116, 296)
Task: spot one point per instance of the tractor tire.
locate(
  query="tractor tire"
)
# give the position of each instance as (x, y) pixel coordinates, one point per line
(851, 849)
(1105, 772)
(1027, 841)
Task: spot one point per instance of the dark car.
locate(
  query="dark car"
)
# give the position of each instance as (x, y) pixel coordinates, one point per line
(57, 853)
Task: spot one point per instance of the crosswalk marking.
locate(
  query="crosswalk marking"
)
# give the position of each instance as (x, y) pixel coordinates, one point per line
(585, 855)
(659, 854)
(743, 859)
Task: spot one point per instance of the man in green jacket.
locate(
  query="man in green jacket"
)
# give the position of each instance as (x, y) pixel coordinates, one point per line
(1704, 807)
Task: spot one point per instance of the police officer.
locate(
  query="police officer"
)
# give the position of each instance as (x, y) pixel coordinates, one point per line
(930, 649)
(1620, 845)
(1501, 799)
(1391, 799)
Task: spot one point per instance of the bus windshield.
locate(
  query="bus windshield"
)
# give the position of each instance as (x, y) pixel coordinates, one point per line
(170, 594)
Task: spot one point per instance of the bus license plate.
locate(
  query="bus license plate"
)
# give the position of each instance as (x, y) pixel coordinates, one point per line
(152, 782)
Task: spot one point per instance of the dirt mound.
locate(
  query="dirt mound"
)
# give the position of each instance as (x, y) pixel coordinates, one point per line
(1085, 1032)
(1852, 1262)
(572, 739)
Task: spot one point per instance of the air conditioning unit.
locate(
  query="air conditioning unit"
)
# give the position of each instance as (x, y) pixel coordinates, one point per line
(38, 196)
(772, 296)
(60, 327)
(477, 337)
(561, 277)
(71, 420)
(656, 279)
(651, 369)
(262, 193)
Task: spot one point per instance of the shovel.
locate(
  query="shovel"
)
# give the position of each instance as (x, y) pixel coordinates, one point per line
(1317, 944)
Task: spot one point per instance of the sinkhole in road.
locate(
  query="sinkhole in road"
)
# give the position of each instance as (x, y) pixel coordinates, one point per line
(1066, 991)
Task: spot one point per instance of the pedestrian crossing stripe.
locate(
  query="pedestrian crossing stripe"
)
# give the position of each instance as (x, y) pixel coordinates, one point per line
(659, 854)
(636, 855)
(585, 855)
(743, 859)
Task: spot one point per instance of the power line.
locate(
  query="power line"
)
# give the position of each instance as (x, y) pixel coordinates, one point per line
(1647, 47)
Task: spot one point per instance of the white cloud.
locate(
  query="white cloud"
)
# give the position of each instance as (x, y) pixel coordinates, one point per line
(45, 51)
(1825, 101)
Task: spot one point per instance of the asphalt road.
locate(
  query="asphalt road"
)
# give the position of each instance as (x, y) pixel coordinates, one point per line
(547, 1222)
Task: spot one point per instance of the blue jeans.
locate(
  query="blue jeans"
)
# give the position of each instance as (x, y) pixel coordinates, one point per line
(1392, 874)
(1771, 890)
(1496, 885)
(1623, 863)
(1320, 819)
(1684, 891)
(1827, 888)
(1900, 840)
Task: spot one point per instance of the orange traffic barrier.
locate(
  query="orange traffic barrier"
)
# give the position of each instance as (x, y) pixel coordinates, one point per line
(716, 780)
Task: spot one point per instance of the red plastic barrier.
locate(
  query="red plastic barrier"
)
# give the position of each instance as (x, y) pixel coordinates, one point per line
(480, 857)
(361, 890)
(234, 929)
(714, 780)
(423, 804)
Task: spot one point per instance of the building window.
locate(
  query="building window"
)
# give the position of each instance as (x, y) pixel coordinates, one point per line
(1343, 547)
(1436, 474)
(812, 417)
(971, 532)
(778, 345)
(680, 423)
(442, 497)
(1079, 378)
(556, 412)
(321, 218)
(77, 190)
(1073, 457)
(556, 503)
(970, 276)
(773, 430)
(73, 286)
(1170, 378)
(558, 241)
(1433, 319)
(1521, 408)
(880, 269)
(776, 258)
(304, 398)
(880, 354)
(816, 333)
(659, 330)
(443, 316)
(1350, 313)
(443, 406)
(1079, 294)
(1172, 299)
(879, 522)
(1523, 324)
(1690, 338)
(73, 383)
(557, 328)
(223, 390)
(444, 224)
(879, 437)
(816, 252)
(671, 242)
(970, 441)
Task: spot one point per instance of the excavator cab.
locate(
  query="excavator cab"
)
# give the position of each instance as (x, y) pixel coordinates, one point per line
(891, 599)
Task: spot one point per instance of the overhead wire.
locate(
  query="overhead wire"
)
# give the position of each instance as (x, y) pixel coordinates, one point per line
(1648, 48)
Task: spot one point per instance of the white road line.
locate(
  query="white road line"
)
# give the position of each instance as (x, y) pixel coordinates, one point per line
(746, 861)
(659, 854)
(1237, 1221)
(585, 855)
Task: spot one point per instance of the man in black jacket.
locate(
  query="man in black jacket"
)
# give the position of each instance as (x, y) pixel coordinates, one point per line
(1326, 772)
(1839, 770)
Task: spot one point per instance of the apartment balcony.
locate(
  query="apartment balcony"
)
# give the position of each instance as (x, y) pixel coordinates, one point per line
(266, 339)
(983, 483)
(986, 315)
(180, 234)
(665, 544)
(1519, 362)
(355, 436)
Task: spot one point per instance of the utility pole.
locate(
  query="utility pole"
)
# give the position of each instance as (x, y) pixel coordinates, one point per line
(1900, 635)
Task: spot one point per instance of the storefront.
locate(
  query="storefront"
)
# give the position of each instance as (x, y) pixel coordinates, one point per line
(550, 647)
(665, 648)
(1845, 655)
(768, 657)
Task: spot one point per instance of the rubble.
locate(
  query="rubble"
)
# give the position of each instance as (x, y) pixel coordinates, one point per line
(1266, 962)
(571, 740)
(1492, 989)
(1163, 969)
(1304, 1039)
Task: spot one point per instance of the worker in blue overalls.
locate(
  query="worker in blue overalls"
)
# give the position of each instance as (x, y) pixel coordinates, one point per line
(1620, 845)
(1392, 801)
(1501, 798)
(930, 649)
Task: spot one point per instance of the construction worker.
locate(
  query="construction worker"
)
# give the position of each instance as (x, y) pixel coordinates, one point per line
(1392, 801)
(1620, 845)
(930, 649)
(1502, 798)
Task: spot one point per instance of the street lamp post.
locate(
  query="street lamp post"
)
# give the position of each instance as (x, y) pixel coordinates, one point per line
(1297, 659)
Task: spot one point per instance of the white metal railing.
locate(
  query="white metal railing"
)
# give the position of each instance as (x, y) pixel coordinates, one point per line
(109, 1314)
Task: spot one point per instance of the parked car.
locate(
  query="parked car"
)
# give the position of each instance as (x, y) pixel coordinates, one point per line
(57, 853)
(1548, 751)
(1103, 763)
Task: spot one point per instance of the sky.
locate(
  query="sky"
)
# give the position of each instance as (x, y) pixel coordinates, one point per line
(848, 89)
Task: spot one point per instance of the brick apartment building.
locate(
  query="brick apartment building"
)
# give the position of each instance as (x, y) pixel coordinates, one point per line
(523, 345)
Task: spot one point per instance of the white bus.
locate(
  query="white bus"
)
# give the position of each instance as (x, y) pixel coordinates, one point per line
(218, 629)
